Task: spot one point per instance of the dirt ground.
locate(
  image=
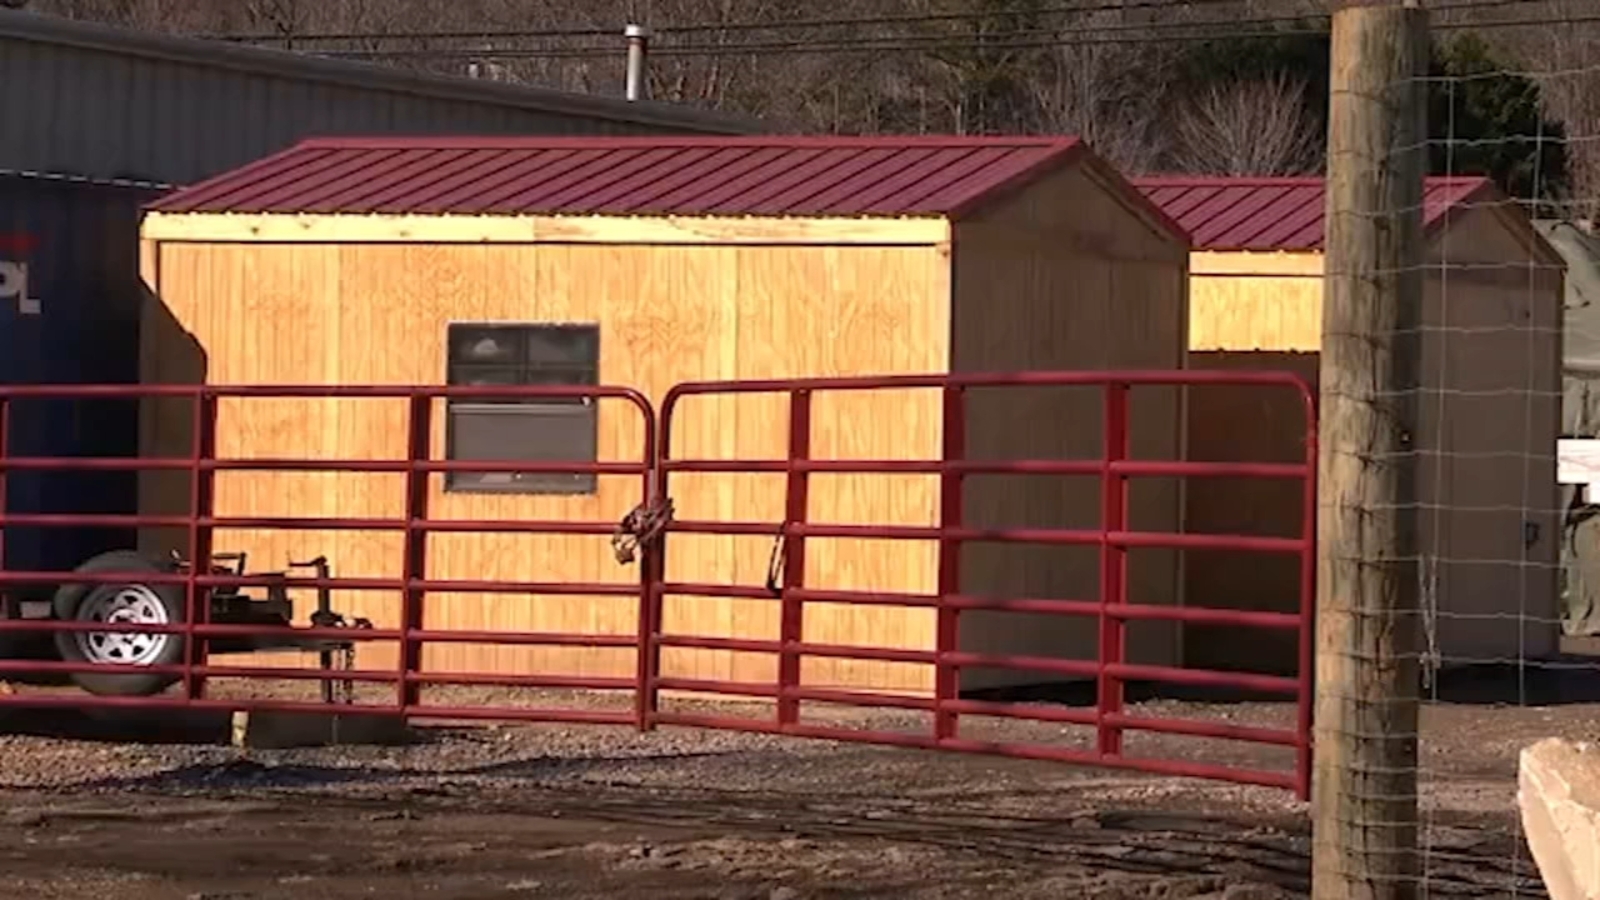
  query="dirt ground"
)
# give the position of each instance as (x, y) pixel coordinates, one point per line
(479, 813)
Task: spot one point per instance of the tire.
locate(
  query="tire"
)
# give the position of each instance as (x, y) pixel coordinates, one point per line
(152, 604)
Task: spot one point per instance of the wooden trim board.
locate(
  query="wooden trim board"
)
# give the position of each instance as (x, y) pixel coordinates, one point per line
(415, 229)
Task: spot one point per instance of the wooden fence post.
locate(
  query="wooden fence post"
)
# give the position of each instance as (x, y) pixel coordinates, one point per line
(1364, 796)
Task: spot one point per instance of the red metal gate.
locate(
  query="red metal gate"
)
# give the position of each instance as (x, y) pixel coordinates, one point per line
(416, 464)
(650, 527)
(1111, 610)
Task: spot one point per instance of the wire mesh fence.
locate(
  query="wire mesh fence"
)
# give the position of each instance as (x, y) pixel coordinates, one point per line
(1489, 637)
(1493, 558)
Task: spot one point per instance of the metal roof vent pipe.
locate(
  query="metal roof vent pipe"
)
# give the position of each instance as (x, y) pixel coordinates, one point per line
(638, 42)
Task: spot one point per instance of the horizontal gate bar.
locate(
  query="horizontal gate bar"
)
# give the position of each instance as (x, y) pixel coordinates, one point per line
(417, 712)
(1071, 667)
(1030, 712)
(321, 392)
(1053, 378)
(368, 676)
(1043, 752)
(437, 585)
(311, 523)
(380, 466)
(1130, 612)
(353, 635)
(1079, 537)
(1086, 467)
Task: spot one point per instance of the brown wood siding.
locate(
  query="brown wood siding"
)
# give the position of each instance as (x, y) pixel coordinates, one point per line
(376, 314)
(1491, 404)
(1067, 278)
(1245, 424)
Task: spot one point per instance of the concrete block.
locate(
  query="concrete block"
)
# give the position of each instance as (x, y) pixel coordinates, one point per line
(278, 730)
(1558, 793)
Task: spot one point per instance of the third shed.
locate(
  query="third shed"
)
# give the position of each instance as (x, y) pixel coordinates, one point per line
(1489, 406)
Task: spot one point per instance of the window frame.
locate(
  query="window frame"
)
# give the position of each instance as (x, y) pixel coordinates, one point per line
(525, 366)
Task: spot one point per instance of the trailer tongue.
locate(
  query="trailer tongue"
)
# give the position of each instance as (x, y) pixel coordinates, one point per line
(131, 588)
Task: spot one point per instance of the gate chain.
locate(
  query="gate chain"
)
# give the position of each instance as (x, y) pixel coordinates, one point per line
(347, 662)
(347, 687)
(644, 525)
(775, 563)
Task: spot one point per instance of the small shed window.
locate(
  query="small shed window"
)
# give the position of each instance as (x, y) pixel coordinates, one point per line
(549, 429)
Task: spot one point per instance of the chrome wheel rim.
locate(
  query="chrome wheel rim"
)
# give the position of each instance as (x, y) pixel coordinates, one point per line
(130, 604)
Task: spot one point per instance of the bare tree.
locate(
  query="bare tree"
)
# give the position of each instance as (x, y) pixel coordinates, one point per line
(1249, 127)
(1108, 95)
(1570, 54)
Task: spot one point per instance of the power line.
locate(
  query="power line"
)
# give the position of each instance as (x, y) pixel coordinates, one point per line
(1137, 33)
(1001, 41)
(847, 22)
(704, 27)
(863, 45)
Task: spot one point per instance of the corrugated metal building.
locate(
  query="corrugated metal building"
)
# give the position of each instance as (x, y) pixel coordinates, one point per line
(652, 261)
(98, 120)
(89, 100)
(1489, 407)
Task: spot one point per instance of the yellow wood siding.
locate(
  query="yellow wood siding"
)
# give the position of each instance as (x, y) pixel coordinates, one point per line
(1255, 301)
(376, 314)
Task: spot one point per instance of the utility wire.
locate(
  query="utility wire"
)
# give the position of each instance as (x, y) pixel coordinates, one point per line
(702, 27)
(1014, 40)
(1028, 39)
(1029, 36)
(849, 22)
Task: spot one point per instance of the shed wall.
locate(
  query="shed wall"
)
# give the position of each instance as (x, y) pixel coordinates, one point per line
(1494, 410)
(1488, 419)
(82, 270)
(369, 313)
(1236, 424)
(1067, 278)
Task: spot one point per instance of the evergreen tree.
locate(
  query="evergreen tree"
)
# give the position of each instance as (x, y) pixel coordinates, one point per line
(1487, 121)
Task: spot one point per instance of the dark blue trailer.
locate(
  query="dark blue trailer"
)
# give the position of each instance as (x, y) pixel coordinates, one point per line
(72, 246)
(71, 299)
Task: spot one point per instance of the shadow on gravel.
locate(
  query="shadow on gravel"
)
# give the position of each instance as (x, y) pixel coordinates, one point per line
(162, 727)
(265, 771)
(1557, 681)
(138, 726)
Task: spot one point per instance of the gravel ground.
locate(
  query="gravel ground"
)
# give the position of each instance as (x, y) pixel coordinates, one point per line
(591, 811)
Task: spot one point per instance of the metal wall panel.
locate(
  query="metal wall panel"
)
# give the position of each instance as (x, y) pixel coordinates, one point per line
(100, 104)
(82, 270)
(88, 100)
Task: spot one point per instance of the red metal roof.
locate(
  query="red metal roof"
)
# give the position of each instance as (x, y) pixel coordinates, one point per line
(688, 176)
(1263, 214)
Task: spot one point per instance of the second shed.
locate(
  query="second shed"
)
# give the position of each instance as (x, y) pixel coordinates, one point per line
(646, 262)
(1490, 391)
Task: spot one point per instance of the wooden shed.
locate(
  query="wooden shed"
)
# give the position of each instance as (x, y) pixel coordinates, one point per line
(646, 262)
(1490, 406)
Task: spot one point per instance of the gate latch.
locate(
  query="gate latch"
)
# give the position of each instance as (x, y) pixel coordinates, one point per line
(643, 525)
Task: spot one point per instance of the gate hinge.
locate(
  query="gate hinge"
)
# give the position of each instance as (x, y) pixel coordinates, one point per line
(643, 526)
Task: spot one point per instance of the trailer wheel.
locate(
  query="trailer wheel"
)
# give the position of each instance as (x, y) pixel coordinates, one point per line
(130, 602)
